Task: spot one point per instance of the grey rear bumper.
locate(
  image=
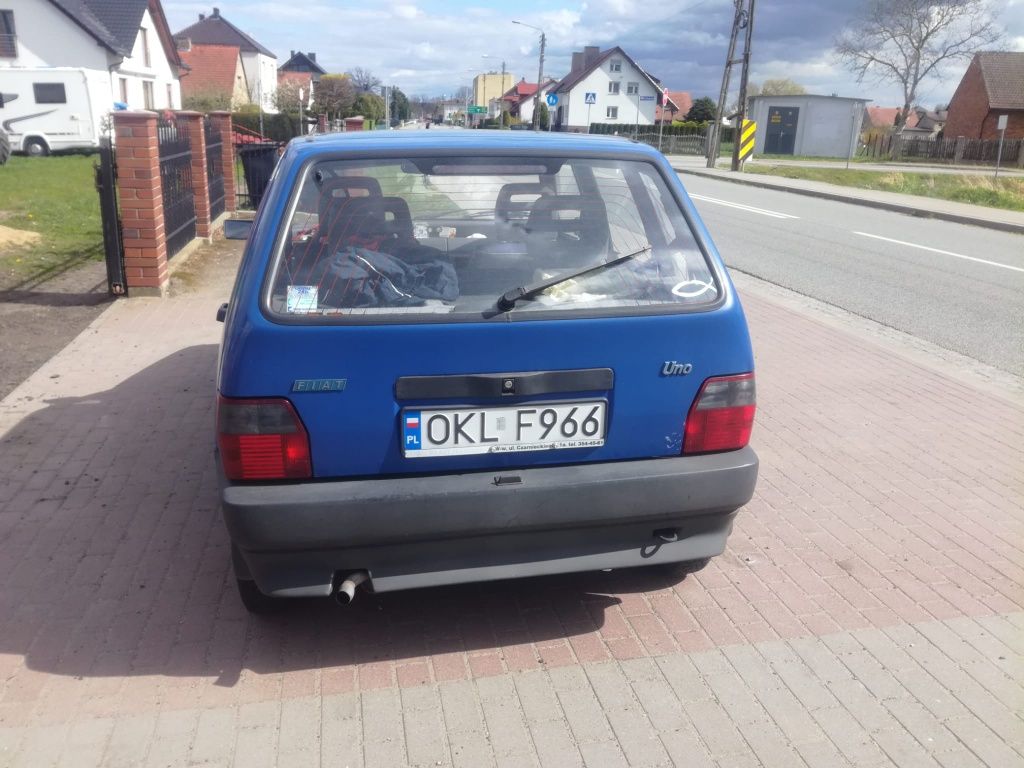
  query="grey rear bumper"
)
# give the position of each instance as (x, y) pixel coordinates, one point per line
(424, 531)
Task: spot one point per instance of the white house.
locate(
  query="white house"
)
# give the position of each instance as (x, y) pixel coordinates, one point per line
(259, 63)
(618, 89)
(66, 64)
(128, 44)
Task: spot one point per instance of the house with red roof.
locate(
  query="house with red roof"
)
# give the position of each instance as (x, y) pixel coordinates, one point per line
(673, 106)
(519, 99)
(302, 70)
(215, 78)
(258, 62)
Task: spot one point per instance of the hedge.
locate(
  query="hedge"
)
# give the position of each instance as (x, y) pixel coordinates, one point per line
(279, 127)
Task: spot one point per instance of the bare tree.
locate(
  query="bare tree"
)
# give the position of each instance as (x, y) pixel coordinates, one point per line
(905, 41)
(334, 95)
(363, 79)
(781, 87)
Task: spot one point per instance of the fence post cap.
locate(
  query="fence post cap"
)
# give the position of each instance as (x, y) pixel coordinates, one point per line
(219, 113)
(188, 113)
(134, 114)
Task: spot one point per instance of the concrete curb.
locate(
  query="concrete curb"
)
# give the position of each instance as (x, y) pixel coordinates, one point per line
(909, 210)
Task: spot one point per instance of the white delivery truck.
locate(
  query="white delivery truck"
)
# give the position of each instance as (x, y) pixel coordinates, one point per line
(46, 109)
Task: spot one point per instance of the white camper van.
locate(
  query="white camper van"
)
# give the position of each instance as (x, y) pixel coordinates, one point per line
(46, 109)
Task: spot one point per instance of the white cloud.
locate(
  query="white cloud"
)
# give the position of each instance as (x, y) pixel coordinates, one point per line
(407, 11)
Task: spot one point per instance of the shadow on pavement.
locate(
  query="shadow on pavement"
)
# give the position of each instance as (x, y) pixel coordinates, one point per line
(116, 562)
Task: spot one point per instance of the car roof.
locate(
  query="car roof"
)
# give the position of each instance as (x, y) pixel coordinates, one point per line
(398, 141)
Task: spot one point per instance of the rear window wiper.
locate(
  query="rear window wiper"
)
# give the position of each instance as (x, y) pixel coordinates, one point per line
(507, 300)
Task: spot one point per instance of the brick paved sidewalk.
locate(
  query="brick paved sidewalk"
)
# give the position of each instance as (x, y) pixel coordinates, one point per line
(869, 610)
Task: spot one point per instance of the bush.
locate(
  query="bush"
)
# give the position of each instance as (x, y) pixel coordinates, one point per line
(280, 127)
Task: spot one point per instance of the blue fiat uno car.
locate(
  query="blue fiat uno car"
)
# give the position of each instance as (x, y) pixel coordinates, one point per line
(472, 355)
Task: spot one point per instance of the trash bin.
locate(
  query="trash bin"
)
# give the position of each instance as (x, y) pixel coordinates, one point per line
(258, 161)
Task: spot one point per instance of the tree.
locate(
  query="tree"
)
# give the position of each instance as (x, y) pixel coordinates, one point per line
(369, 105)
(363, 79)
(543, 116)
(702, 110)
(334, 95)
(906, 41)
(286, 97)
(399, 104)
(780, 87)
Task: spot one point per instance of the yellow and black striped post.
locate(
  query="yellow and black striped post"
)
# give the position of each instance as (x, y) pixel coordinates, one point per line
(747, 138)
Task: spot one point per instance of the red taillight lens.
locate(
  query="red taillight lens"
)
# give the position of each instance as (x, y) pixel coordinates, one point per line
(722, 415)
(262, 440)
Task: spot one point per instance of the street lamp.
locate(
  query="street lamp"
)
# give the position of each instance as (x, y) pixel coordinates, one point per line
(540, 75)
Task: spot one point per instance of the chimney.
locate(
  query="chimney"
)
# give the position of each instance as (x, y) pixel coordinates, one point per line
(312, 56)
(577, 62)
(216, 13)
(590, 53)
(202, 17)
(292, 55)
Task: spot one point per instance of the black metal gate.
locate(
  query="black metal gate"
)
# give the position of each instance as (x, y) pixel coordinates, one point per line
(106, 185)
(176, 180)
(214, 168)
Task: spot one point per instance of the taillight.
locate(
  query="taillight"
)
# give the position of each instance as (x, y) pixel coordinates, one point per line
(722, 415)
(262, 439)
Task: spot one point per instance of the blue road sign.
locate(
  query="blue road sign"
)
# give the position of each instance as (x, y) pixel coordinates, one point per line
(590, 97)
(646, 98)
(551, 99)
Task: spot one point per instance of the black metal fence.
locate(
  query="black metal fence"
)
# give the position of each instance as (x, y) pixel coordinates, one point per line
(176, 179)
(214, 168)
(895, 146)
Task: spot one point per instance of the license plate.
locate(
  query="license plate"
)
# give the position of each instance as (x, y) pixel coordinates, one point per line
(533, 427)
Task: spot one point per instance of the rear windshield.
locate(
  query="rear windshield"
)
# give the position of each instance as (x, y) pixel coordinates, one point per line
(445, 238)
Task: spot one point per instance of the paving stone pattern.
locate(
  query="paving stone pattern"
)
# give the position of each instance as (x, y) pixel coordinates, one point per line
(869, 610)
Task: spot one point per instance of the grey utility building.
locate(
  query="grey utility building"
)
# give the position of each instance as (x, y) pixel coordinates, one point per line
(810, 125)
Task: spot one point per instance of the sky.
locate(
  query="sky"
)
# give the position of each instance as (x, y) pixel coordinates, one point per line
(430, 47)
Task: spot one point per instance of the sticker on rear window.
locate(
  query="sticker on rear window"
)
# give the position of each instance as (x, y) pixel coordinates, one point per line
(301, 299)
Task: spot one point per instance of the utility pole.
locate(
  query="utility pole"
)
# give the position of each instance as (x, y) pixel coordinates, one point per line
(535, 120)
(741, 111)
(501, 99)
(716, 129)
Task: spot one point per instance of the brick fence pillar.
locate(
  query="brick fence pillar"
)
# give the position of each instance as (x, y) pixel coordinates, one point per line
(141, 200)
(222, 123)
(192, 122)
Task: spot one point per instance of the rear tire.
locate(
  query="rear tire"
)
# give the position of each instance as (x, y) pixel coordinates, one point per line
(5, 147)
(36, 148)
(255, 601)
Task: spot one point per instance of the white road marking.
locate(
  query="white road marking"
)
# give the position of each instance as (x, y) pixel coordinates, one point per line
(939, 250)
(740, 206)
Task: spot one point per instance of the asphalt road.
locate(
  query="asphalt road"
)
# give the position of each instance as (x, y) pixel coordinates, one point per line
(957, 286)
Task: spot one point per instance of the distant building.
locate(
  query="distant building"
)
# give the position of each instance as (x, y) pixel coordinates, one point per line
(993, 85)
(519, 99)
(259, 63)
(620, 91)
(490, 86)
(302, 70)
(808, 124)
(884, 118)
(215, 75)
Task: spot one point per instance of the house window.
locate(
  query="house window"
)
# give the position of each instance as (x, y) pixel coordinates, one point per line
(612, 113)
(613, 88)
(147, 94)
(632, 89)
(146, 61)
(8, 37)
(49, 93)
(123, 85)
(615, 65)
